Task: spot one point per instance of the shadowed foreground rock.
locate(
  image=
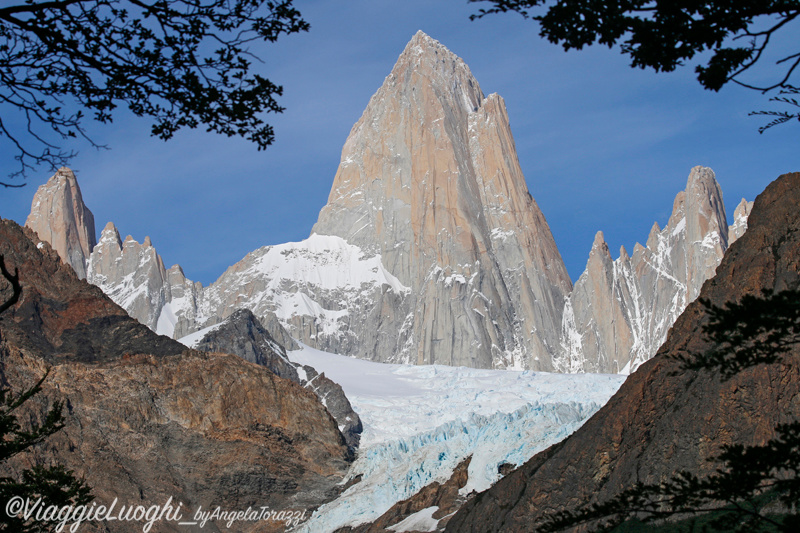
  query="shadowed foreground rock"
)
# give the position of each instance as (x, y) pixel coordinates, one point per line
(435, 503)
(243, 334)
(660, 422)
(148, 419)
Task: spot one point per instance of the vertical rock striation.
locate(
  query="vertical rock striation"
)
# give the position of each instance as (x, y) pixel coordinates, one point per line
(665, 419)
(429, 180)
(430, 249)
(620, 312)
(59, 216)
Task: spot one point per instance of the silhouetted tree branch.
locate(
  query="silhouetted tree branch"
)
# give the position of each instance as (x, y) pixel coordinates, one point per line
(782, 117)
(184, 63)
(663, 35)
(741, 494)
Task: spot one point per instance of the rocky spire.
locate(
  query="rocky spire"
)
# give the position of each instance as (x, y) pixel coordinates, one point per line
(59, 216)
(706, 229)
(595, 331)
(133, 275)
(432, 250)
(620, 311)
(429, 179)
(739, 225)
(664, 419)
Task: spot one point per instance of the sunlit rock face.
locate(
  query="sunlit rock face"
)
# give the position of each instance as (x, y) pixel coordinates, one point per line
(430, 249)
(620, 311)
(429, 180)
(665, 418)
(133, 275)
(739, 225)
(59, 216)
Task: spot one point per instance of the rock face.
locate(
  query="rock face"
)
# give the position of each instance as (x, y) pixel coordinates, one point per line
(243, 335)
(431, 250)
(278, 332)
(63, 318)
(146, 418)
(620, 311)
(429, 179)
(739, 225)
(327, 292)
(59, 216)
(333, 398)
(428, 510)
(663, 420)
(133, 275)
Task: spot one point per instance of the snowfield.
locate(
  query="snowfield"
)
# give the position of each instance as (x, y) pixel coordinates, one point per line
(420, 422)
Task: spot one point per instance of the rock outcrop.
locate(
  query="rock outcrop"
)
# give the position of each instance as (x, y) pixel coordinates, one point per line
(133, 275)
(59, 216)
(739, 225)
(64, 319)
(663, 420)
(620, 311)
(278, 332)
(335, 401)
(242, 334)
(428, 510)
(147, 418)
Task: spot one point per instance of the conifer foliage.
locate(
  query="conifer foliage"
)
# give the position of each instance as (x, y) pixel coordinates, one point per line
(51, 485)
(754, 488)
(182, 63)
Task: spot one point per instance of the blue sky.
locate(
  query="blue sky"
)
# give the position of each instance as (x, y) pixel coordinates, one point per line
(603, 146)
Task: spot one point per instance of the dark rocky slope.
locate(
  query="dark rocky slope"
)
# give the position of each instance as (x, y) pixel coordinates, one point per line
(148, 419)
(243, 334)
(661, 421)
(62, 318)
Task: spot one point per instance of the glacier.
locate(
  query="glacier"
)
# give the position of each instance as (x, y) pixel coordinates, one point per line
(420, 422)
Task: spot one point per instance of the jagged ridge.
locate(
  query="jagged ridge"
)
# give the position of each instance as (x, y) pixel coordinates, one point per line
(664, 419)
(620, 312)
(148, 419)
(431, 250)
